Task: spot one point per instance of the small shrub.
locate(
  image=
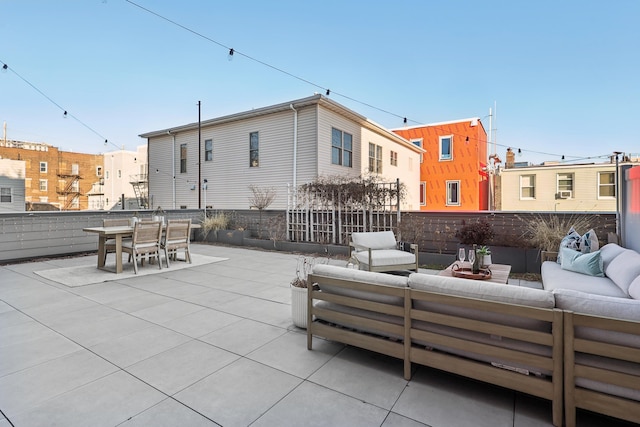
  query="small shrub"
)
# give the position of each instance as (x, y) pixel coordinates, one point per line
(546, 233)
(217, 221)
(480, 233)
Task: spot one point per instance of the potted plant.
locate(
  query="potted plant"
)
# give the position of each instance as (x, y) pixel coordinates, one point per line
(484, 256)
(214, 222)
(299, 290)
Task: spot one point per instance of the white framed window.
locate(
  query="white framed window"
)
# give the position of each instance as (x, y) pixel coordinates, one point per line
(43, 167)
(527, 186)
(183, 158)
(453, 193)
(606, 185)
(75, 186)
(445, 148)
(254, 149)
(5, 194)
(418, 143)
(341, 148)
(43, 185)
(208, 150)
(565, 185)
(375, 158)
(393, 156)
(423, 193)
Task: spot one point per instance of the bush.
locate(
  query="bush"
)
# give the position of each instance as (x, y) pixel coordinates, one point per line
(480, 233)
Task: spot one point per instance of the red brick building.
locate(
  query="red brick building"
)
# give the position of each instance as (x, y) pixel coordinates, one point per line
(61, 178)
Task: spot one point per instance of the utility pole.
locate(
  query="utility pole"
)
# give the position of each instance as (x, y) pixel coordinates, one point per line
(199, 159)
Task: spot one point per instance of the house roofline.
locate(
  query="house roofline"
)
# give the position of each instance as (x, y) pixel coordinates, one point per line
(450, 122)
(316, 99)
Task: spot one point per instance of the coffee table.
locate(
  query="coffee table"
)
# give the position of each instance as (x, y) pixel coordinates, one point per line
(499, 272)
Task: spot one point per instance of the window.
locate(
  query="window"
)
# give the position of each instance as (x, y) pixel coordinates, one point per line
(43, 185)
(119, 173)
(565, 185)
(43, 167)
(423, 193)
(106, 174)
(75, 169)
(453, 193)
(75, 186)
(254, 150)
(527, 186)
(446, 147)
(375, 158)
(208, 150)
(183, 158)
(5, 195)
(606, 185)
(418, 143)
(98, 170)
(394, 158)
(43, 199)
(341, 148)
(75, 202)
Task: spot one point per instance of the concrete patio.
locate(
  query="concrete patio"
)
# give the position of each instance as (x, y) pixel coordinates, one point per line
(213, 345)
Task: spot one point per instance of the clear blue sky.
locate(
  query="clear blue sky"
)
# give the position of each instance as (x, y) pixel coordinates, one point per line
(565, 74)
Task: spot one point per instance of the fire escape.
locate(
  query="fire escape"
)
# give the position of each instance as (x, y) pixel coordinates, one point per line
(70, 191)
(140, 185)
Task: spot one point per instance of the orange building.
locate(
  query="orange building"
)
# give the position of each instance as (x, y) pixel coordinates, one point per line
(59, 178)
(453, 170)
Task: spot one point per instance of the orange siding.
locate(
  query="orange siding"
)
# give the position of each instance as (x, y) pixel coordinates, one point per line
(467, 165)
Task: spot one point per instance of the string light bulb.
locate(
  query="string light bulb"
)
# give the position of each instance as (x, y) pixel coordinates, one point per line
(64, 115)
(404, 120)
(328, 92)
(563, 157)
(105, 142)
(231, 52)
(519, 152)
(5, 67)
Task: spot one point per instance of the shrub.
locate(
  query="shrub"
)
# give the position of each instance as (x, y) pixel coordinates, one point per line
(480, 233)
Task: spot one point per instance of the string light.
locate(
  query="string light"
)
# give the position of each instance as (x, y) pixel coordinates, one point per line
(230, 56)
(5, 67)
(328, 92)
(64, 115)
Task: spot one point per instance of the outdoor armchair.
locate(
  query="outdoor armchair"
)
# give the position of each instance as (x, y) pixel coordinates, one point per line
(145, 241)
(377, 251)
(177, 237)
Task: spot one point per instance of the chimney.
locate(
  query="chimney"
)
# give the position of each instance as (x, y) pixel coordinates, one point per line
(511, 158)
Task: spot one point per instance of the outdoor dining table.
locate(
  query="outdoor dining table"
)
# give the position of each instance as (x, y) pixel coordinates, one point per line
(117, 233)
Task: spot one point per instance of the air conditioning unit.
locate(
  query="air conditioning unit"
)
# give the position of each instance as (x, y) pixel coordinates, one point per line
(565, 194)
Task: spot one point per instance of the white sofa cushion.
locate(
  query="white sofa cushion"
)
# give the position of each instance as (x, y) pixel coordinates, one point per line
(361, 276)
(608, 252)
(387, 257)
(554, 277)
(624, 268)
(598, 305)
(375, 239)
(634, 288)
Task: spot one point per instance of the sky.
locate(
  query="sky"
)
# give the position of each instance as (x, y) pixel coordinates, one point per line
(562, 77)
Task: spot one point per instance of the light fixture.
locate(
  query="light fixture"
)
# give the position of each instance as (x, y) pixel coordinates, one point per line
(230, 57)
(65, 114)
(328, 92)
(105, 142)
(563, 157)
(5, 67)
(519, 152)
(404, 120)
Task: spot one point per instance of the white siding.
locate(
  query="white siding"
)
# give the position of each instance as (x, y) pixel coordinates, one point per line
(585, 189)
(12, 175)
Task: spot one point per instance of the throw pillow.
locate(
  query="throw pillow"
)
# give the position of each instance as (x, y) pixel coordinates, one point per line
(578, 262)
(589, 242)
(571, 240)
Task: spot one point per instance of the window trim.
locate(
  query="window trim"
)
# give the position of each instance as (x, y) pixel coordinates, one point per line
(183, 158)
(46, 167)
(418, 142)
(254, 163)
(449, 201)
(342, 151)
(573, 180)
(613, 184)
(375, 161)
(4, 196)
(208, 152)
(533, 176)
(393, 158)
(440, 156)
(46, 185)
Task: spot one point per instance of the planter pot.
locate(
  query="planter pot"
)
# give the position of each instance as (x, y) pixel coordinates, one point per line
(484, 260)
(299, 308)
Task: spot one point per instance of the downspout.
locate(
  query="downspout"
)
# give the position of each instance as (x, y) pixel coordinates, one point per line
(295, 147)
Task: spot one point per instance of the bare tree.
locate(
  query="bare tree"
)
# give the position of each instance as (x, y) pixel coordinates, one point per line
(260, 199)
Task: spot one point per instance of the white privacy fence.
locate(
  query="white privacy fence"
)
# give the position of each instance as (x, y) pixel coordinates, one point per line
(329, 214)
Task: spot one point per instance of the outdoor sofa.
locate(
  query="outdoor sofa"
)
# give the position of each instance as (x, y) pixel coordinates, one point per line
(602, 330)
(505, 335)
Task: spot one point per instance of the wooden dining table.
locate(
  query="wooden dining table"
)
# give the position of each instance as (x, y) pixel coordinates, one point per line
(118, 233)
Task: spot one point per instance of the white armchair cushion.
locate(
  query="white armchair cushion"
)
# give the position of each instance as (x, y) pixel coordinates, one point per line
(385, 257)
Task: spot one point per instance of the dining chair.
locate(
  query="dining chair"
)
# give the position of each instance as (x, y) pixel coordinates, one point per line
(177, 237)
(145, 241)
(110, 244)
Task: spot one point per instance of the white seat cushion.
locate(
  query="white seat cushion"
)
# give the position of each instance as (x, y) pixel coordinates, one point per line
(386, 257)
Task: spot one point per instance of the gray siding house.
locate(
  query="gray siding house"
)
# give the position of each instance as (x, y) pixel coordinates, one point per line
(285, 144)
(12, 185)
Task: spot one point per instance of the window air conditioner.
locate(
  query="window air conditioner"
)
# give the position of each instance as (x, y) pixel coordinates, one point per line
(565, 194)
